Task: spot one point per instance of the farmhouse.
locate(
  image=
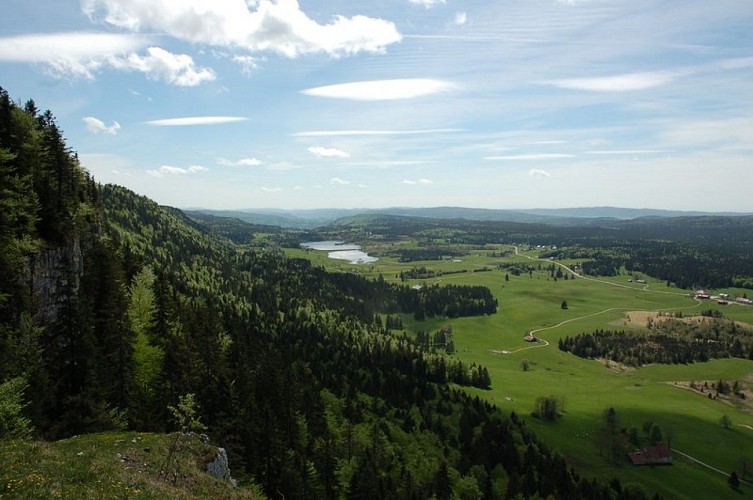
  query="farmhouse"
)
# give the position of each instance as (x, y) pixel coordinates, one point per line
(530, 338)
(744, 301)
(653, 455)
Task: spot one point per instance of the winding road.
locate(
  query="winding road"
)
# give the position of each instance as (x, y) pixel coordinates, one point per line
(545, 343)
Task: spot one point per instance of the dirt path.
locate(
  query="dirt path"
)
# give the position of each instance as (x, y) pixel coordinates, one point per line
(545, 343)
(710, 467)
(704, 464)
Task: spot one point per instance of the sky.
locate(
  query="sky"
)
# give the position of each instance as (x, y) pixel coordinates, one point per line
(231, 104)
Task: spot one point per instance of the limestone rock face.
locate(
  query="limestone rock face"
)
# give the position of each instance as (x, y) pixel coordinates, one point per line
(220, 468)
(52, 275)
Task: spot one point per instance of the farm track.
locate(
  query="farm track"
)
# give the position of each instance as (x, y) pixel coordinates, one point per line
(644, 289)
(710, 467)
(545, 343)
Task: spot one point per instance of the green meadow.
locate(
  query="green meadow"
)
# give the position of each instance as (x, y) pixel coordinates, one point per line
(587, 388)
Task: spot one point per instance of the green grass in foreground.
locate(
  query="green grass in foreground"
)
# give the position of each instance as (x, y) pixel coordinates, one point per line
(110, 465)
(588, 387)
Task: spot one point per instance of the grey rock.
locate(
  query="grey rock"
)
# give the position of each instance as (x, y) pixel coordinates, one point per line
(219, 467)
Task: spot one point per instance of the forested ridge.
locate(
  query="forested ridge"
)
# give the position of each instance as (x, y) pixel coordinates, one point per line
(113, 307)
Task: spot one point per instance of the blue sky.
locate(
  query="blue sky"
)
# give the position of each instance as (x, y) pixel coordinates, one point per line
(328, 104)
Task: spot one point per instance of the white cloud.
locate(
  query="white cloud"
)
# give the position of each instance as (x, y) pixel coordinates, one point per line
(77, 54)
(321, 152)
(428, 3)
(460, 18)
(419, 181)
(618, 83)
(170, 170)
(336, 181)
(81, 55)
(530, 157)
(97, 126)
(331, 133)
(243, 162)
(380, 90)
(271, 190)
(538, 174)
(159, 64)
(280, 26)
(248, 63)
(195, 120)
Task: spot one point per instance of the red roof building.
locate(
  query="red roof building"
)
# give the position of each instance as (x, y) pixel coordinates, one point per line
(653, 455)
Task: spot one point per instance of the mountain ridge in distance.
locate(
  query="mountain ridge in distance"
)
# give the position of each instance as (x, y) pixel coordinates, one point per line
(312, 218)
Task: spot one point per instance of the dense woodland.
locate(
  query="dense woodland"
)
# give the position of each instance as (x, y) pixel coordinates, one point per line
(113, 307)
(666, 340)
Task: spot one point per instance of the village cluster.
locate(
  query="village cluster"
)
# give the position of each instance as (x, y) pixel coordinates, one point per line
(722, 298)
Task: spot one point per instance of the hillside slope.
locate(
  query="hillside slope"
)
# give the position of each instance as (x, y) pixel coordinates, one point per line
(291, 368)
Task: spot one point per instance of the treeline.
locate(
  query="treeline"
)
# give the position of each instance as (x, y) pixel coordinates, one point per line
(667, 340)
(136, 305)
(686, 265)
(366, 297)
(430, 253)
(421, 273)
(690, 252)
(451, 301)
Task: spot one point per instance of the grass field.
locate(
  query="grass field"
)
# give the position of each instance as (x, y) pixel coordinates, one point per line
(589, 387)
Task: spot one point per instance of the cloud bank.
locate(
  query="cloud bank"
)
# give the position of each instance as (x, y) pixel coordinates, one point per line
(82, 55)
(276, 26)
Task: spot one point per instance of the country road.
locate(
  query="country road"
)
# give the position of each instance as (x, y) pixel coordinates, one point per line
(545, 343)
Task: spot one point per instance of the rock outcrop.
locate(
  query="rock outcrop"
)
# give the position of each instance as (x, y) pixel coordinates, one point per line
(53, 276)
(220, 468)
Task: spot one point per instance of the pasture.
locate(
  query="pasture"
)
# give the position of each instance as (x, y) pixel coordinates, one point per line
(532, 303)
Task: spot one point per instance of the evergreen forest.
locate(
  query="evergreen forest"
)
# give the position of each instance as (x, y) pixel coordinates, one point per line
(113, 308)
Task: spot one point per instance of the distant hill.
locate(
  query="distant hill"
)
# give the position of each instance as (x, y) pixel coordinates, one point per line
(620, 213)
(279, 218)
(583, 216)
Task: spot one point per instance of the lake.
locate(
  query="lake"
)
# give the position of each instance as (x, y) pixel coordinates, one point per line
(341, 251)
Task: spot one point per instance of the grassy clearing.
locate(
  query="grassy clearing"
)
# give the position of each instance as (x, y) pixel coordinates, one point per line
(109, 465)
(588, 387)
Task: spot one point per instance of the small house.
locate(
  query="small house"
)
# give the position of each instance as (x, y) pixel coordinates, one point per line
(653, 455)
